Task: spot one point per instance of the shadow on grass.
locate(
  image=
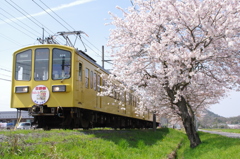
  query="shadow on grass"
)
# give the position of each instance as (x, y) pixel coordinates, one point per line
(130, 138)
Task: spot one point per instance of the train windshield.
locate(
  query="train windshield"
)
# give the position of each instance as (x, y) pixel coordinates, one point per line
(23, 66)
(61, 65)
(41, 64)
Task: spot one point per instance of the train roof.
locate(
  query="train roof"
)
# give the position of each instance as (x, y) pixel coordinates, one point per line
(91, 60)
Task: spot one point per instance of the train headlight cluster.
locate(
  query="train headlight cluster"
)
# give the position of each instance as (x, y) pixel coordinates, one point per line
(59, 88)
(22, 89)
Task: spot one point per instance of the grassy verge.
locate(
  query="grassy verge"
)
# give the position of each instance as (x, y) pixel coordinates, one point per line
(213, 146)
(225, 130)
(97, 144)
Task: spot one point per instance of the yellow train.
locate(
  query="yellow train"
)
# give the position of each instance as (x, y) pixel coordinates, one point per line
(58, 86)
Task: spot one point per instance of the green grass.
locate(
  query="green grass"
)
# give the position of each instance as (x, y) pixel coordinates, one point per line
(96, 144)
(225, 130)
(212, 147)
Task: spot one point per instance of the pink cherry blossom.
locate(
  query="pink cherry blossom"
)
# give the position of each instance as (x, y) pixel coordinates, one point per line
(179, 57)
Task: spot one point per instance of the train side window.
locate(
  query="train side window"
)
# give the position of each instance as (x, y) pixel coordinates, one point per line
(91, 79)
(98, 83)
(114, 92)
(95, 81)
(130, 99)
(122, 97)
(133, 101)
(80, 71)
(117, 96)
(23, 66)
(127, 98)
(103, 84)
(87, 78)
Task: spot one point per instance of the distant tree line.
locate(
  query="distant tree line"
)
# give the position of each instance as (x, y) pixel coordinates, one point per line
(211, 120)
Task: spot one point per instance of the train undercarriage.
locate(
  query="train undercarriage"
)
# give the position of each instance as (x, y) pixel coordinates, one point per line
(72, 118)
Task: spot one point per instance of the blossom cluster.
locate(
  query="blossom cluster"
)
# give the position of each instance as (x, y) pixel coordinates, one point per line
(190, 47)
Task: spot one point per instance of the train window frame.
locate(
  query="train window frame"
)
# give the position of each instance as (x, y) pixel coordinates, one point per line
(132, 100)
(91, 79)
(65, 72)
(122, 97)
(18, 67)
(103, 84)
(87, 78)
(98, 83)
(38, 61)
(127, 98)
(80, 71)
(95, 81)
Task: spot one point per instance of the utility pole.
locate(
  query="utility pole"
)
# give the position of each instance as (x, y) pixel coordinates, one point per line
(103, 56)
(103, 59)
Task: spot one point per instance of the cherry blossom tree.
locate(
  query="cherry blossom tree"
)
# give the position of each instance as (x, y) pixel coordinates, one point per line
(179, 56)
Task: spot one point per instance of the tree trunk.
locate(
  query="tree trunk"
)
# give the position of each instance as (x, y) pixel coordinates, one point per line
(187, 119)
(188, 123)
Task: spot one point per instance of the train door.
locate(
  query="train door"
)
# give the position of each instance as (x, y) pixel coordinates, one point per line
(79, 83)
(97, 88)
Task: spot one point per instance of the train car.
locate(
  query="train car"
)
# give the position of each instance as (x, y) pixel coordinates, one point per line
(58, 86)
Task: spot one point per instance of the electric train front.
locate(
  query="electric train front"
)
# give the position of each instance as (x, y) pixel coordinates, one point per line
(41, 81)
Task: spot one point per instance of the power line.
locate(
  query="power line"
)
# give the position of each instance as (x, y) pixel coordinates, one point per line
(50, 15)
(5, 79)
(57, 15)
(65, 26)
(17, 24)
(19, 21)
(16, 28)
(9, 39)
(5, 70)
(28, 15)
(5, 75)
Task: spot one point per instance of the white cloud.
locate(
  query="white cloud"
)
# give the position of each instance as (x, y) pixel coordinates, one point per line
(63, 6)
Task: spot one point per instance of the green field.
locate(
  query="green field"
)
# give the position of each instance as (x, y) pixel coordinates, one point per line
(212, 147)
(113, 144)
(96, 144)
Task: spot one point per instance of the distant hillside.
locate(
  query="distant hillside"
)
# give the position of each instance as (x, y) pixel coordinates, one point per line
(212, 120)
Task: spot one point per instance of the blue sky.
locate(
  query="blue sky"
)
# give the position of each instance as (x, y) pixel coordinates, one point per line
(90, 16)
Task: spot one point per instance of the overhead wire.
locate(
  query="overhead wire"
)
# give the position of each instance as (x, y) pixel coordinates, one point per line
(5, 75)
(36, 22)
(56, 14)
(5, 79)
(3, 69)
(50, 15)
(17, 24)
(67, 24)
(27, 15)
(9, 39)
(19, 21)
(16, 28)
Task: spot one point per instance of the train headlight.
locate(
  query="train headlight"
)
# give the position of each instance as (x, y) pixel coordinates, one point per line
(59, 88)
(22, 89)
